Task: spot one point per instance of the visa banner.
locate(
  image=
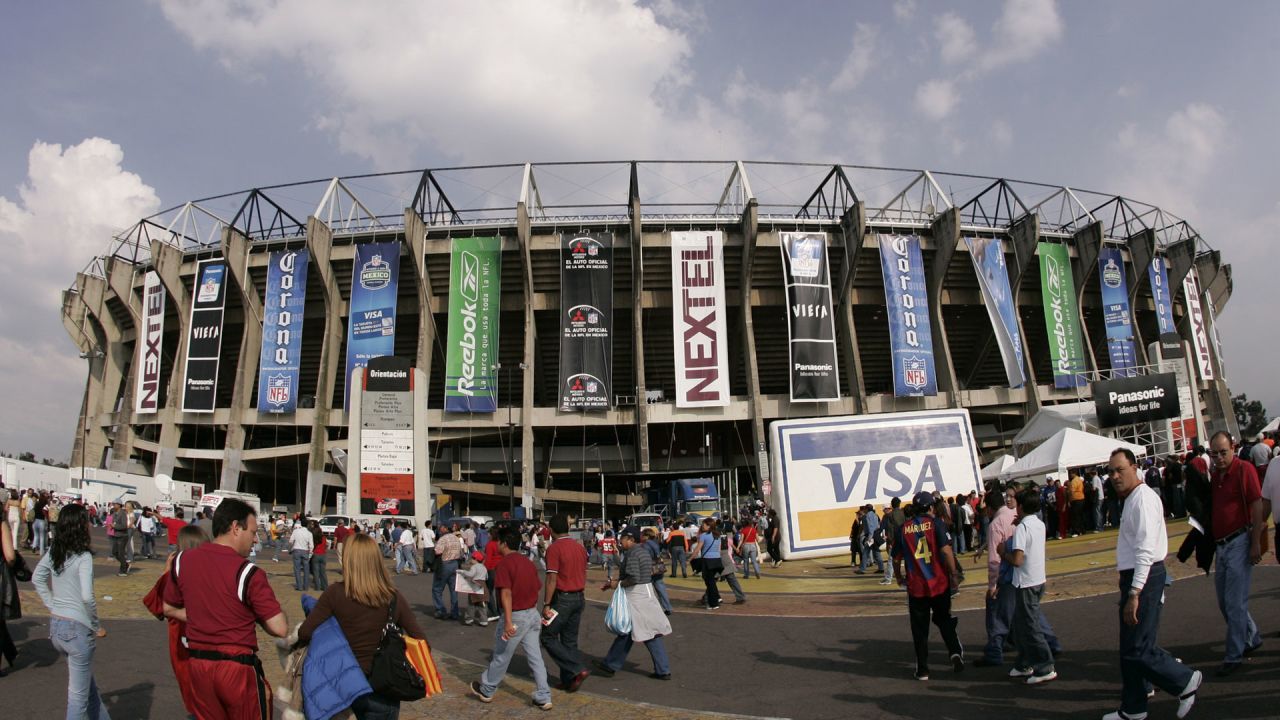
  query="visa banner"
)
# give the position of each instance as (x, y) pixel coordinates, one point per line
(810, 322)
(283, 306)
(910, 334)
(1061, 318)
(204, 343)
(824, 469)
(987, 254)
(475, 286)
(371, 322)
(1115, 311)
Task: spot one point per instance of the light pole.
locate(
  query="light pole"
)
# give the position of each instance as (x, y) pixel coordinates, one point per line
(89, 355)
(507, 468)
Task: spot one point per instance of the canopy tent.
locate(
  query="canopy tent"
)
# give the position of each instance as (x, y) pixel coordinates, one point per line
(1067, 448)
(1270, 427)
(992, 470)
(1052, 418)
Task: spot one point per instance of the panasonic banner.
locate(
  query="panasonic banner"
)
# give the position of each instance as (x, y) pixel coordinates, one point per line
(910, 335)
(475, 277)
(281, 355)
(204, 343)
(987, 254)
(371, 323)
(1061, 319)
(1158, 276)
(586, 321)
(147, 392)
(1115, 311)
(1133, 400)
(824, 469)
(810, 323)
(698, 322)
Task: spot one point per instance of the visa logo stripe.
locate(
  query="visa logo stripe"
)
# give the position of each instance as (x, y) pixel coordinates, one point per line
(875, 440)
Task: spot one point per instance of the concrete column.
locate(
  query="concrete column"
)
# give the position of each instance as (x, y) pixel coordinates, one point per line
(235, 248)
(946, 236)
(415, 232)
(120, 278)
(1088, 242)
(320, 245)
(524, 236)
(77, 321)
(1024, 235)
(1179, 257)
(853, 229)
(637, 323)
(105, 374)
(167, 261)
(750, 231)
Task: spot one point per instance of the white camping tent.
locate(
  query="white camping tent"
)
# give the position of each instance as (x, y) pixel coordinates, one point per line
(1052, 418)
(992, 470)
(1271, 427)
(1067, 448)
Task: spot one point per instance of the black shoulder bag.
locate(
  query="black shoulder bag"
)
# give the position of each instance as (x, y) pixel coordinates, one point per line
(392, 675)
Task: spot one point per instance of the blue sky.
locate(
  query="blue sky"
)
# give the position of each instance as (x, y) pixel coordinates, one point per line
(116, 110)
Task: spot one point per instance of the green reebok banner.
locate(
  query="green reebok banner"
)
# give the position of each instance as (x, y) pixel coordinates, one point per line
(475, 279)
(1061, 316)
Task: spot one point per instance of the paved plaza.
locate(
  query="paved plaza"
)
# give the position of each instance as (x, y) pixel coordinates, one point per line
(812, 641)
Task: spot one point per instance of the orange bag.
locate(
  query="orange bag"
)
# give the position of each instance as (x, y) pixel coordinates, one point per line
(419, 655)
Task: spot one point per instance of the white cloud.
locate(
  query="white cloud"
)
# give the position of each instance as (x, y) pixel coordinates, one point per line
(956, 39)
(1024, 29)
(65, 213)
(904, 10)
(936, 98)
(860, 59)
(1001, 134)
(1169, 167)
(568, 79)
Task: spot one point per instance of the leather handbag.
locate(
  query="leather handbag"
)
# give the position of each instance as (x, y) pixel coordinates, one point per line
(391, 674)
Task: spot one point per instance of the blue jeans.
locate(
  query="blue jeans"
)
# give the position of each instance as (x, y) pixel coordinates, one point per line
(1000, 622)
(528, 628)
(750, 559)
(870, 552)
(77, 642)
(1141, 660)
(375, 707)
(1028, 636)
(408, 560)
(679, 559)
(443, 581)
(621, 647)
(1231, 575)
(149, 544)
(301, 569)
(319, 572)
(660, 588)
(40, 541)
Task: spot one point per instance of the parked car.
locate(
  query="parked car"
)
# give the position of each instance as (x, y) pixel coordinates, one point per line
(329, 523)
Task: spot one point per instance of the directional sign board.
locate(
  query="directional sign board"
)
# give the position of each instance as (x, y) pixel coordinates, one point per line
(386, 438)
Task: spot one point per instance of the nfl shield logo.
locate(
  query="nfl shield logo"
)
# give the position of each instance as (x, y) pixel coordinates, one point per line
(592, 387)
(278, 390)
(914, 372)
(593, 318)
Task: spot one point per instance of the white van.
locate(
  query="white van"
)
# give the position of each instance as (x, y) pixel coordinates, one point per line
(211, 500)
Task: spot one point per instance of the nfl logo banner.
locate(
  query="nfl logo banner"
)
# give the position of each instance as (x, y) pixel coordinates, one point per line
(586, 320)
(283, 305)
(371, 323)
(1161, 293)
(910, 333)
(824, 469)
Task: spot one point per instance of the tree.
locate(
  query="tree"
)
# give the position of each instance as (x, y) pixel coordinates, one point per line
(1250, 415)
(27, 457)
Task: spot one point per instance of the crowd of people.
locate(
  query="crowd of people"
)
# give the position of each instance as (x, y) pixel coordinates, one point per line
(529, 577)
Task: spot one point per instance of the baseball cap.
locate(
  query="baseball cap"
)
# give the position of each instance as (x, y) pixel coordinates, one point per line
(923, 499)
(630, 531)
(477, 556)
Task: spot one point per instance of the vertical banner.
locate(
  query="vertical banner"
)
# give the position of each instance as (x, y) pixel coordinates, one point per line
(146, 396)
(475, 276)
(697, 309)
(386, 437)
(281, 355)
(1115, 312)
(1158, 276)
(371, 322)
(910, 335)
(987, 254)
(815, 373)
(586, 321)
(1061, 318)
(204, 343)
(1199, 333)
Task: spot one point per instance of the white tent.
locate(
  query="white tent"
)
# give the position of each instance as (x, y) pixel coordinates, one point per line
(1052, 418)
(1067, 448)
(992, 470)
(1271, 427)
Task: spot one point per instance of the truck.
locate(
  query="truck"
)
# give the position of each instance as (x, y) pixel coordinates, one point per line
(211, 500)
(679, 498)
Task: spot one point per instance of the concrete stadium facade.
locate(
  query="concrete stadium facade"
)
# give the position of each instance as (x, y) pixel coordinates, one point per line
(532, 453)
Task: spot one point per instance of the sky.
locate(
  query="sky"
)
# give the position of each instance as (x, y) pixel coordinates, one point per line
(117, 110)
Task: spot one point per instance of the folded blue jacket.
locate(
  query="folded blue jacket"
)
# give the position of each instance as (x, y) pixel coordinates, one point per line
(331, 677)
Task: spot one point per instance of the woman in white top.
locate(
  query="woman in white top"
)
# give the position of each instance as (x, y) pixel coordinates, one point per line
(64, 582)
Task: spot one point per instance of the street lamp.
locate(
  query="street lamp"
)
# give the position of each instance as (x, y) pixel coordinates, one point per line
(507, 467)
(89, 355)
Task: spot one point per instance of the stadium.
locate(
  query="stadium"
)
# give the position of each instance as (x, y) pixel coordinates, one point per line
(721, 296)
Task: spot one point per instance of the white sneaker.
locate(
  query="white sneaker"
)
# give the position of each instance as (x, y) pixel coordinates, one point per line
(1037, 679)
(1121, 715)
(1187, 698)
(1017, 672)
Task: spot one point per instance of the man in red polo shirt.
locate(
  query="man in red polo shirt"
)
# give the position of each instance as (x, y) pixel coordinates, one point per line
(563, 602)
(221, 596)
(340, 535)
(1237, 528)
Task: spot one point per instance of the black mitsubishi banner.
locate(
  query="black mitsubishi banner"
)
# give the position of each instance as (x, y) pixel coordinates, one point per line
(204, 343)
(586, 321)
(810, 322)
(1132, 400)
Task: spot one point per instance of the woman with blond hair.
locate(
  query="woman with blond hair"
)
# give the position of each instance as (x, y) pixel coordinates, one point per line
(360, 602)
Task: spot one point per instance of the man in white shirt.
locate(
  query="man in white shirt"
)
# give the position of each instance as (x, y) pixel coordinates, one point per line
(427, 541)
(1271, 498)
(301, 543)
(407, 560)
(1140, 551)
(1035, 661)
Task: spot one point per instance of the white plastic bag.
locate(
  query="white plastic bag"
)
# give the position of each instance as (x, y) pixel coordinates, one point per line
(618, 617)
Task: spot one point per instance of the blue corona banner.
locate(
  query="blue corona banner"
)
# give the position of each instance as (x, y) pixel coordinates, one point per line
(371, 324)
(1158, 275)
(1115, 311)
(987, 255)
(282, 331)
(909, 331)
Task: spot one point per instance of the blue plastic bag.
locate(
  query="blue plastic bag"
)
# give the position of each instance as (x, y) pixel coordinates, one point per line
(618, 617)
